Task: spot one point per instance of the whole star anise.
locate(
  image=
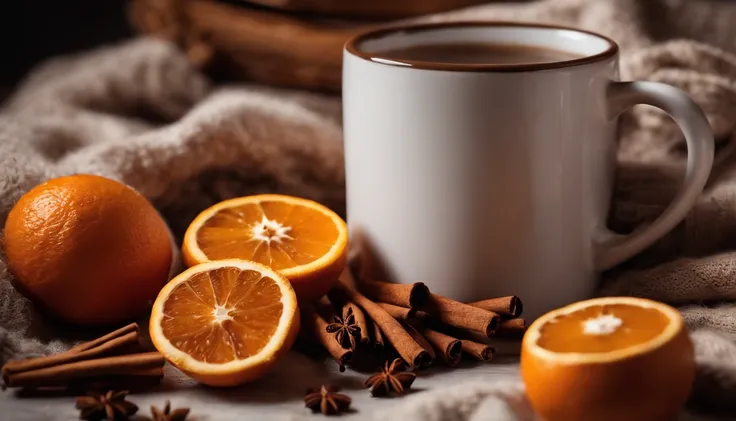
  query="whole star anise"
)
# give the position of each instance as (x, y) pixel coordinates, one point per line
(168, 415)
(111, 406)
(327, 401)
(345, 330)
(391, 380)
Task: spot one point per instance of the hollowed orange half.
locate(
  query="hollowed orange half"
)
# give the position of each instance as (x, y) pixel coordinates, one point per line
(606, 359)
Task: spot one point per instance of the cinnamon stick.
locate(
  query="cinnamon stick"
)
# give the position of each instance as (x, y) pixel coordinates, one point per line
(107, 345)
(409, 350)
(449, 348)
(397, 312)
(377, 337)
(339, 300)
(510, 306)
(511, 328)
(133, 327)
(479, 351)
(317, 327)
(117, 365)
(462, 316)
(421, 340)
(403, 295)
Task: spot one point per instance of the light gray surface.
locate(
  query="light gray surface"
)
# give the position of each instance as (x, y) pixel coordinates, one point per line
(278, 396)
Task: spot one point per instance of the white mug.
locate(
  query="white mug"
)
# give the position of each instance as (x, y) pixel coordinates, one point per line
(488, 180)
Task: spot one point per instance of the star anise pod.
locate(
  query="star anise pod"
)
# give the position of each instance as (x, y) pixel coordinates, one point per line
(327, 401)
(345, 330)
(391, 380)
(168, 415)
(111, 406)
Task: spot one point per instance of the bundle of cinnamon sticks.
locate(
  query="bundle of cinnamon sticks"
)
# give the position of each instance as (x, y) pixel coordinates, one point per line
(420, 326)
(115, 360)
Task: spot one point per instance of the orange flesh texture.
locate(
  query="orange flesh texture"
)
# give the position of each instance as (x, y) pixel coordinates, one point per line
(566, 333)
(229, 233)
(222, 315)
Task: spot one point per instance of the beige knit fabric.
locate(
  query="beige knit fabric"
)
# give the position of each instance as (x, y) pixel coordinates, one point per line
(139, 113)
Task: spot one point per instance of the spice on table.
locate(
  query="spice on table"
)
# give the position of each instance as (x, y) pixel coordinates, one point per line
(110, 361)
(462, 316)
(391, 380)
(167, 414)
(405, 345)
(350, 307)
(450, 349)
(377, 337)
(421, 340)
(316, 326)
(403, 295)
(511, 328)
(345, 329)
(110, 406)
(507, 307)
(479, 351)
(110, 344)
(327, 401)
(400, 313)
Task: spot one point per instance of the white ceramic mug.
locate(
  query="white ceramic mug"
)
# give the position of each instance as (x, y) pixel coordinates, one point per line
(490, 180)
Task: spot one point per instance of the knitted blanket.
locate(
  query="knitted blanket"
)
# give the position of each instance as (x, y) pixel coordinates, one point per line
(139, 113)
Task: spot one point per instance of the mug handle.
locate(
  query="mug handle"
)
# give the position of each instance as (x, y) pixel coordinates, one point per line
(615, 248)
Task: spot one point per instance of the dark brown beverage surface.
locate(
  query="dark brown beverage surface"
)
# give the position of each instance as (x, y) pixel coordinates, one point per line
(476, 53)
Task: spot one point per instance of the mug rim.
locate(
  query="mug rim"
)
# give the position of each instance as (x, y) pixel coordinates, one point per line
(352, 47)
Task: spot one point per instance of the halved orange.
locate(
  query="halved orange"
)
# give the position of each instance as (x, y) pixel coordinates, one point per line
(613, 358)
(226, 322)
(302, 239)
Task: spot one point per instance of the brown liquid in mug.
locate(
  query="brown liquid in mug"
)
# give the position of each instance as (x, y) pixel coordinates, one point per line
(477, 53)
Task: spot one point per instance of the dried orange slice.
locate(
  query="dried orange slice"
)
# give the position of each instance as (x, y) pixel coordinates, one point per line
(225, 323)
(613, 358)
(303, 240)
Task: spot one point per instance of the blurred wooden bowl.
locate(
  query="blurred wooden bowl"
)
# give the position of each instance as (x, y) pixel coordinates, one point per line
(367, 9)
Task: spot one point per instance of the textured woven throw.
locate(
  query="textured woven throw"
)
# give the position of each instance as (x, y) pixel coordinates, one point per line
(139, 113)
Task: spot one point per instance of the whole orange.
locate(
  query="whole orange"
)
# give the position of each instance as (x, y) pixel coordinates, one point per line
(88, 249)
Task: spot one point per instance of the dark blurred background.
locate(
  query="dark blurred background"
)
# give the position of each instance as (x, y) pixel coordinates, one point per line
(32, 30)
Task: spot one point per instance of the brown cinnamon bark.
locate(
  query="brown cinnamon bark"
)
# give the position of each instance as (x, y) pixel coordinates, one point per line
(397, 312)
(112, 345)
(409, 350)
(317, 328)
(340, 301)
(421, 340)
(462, 316)
(511, 328)
(117, 365)
(449, 348)
(403, 295)
(377, 337)
(510, 307)
(479, 351)
(133, 327)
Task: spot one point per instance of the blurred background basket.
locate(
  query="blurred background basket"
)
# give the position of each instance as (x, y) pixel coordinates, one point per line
(290, 43)
(366, 9)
